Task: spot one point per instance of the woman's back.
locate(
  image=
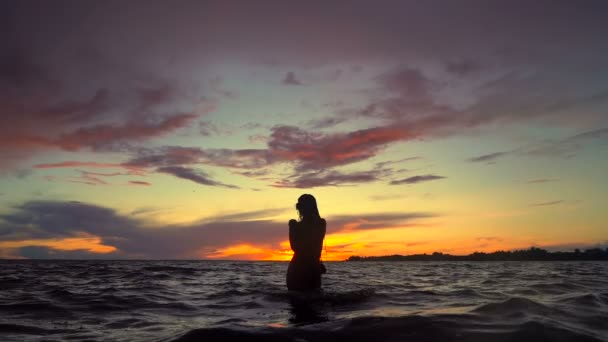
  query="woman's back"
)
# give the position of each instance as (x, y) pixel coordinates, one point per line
(306, 240)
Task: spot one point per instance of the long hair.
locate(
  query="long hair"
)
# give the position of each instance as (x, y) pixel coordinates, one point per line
(307, 208)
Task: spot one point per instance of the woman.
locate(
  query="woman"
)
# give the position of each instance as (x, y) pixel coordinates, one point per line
(306, 240)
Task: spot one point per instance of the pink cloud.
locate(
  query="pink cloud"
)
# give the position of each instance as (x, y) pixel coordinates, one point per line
(312, 151)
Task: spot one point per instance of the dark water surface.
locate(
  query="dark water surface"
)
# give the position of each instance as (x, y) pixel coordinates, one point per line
(379, 301)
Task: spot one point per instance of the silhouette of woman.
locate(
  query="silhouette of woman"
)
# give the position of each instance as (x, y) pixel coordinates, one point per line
(306, 240)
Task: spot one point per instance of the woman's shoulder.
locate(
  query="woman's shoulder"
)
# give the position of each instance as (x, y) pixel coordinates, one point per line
(321, 222)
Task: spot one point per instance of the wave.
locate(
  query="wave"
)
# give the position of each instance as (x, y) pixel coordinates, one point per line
(406, 328)
(585, 300)
(37, 306)
(188, 270)
(142, 301)
(516, 306)
(31, 330)
(555, 287)
(324, 297)
(229, 293)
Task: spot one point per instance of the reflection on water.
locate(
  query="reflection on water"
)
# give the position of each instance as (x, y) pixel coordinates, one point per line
(305, 312)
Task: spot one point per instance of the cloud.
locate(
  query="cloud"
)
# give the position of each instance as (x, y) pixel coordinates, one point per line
(600, 134)
(316, 151)
(255, 215)
(383, 164)
(569, 146)
(541, 180)
(487, 38)
(463, 68)
(110, 86)
(565, 147)
(139, 183)
(176, 155)
(133, 238)
(62, 229)
(238, 158)
(290, 79)
(96, 103)
(193, 175)
(207, 128)
(38, 122)
(489, 157)
(380, 221)
(45, 252)
(490, 238)
(105, 136)
(424, 102)
(330, 178)
(89, 178)
(165, 156)
(409, 83)
(325, 122)
(416, 179)
(257, 138)
(73, 164)
(308, 152)
(544, 204)
(312, 155)
(386, 197)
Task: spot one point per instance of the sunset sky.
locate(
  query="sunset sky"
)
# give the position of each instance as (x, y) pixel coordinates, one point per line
(187, 130)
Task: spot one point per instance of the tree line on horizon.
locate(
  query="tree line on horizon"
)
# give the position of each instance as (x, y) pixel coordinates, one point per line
(531, 254)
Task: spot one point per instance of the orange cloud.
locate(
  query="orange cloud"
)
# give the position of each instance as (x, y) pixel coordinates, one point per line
(90, 244)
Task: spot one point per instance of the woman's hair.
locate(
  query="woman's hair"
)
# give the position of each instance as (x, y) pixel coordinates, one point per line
(307, 208)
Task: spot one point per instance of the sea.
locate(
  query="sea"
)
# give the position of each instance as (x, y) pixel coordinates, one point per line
(248, 301)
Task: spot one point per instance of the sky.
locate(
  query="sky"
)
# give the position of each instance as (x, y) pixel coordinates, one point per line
(188, 129)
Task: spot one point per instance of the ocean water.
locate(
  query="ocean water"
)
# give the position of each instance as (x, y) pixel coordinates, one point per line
(362, 301)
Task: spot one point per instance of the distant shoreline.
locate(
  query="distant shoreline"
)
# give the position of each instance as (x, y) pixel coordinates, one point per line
(531, 254)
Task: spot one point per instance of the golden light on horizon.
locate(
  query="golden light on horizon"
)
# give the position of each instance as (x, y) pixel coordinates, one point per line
(90, 244)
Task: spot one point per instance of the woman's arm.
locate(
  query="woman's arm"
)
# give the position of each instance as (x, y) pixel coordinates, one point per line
(292, 238)
(322, 230)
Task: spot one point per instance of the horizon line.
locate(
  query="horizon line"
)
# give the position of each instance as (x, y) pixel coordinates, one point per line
(279, 260)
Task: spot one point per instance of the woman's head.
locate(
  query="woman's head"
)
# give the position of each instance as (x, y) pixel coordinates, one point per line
(307, 207)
